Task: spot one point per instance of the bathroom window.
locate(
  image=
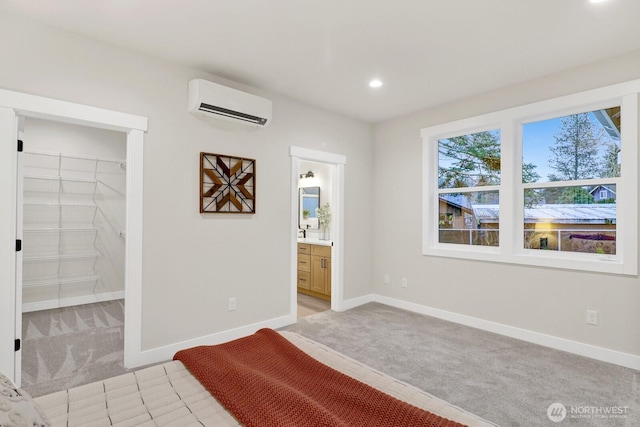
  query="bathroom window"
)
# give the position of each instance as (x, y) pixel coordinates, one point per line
(550, 184)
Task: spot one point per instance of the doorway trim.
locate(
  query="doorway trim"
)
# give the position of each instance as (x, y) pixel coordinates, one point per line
(337, 259)
(12, 106)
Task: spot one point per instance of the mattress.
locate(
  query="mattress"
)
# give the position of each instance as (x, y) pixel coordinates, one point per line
(168, 395)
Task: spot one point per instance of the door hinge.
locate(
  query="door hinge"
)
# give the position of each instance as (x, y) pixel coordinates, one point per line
(20, 146)
(18, 245)
(17, 345)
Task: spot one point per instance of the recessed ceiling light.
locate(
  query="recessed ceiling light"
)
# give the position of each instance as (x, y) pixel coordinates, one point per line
(597, 1)
(375, 83)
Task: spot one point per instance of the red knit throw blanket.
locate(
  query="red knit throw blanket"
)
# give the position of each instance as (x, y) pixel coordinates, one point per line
(266, 381)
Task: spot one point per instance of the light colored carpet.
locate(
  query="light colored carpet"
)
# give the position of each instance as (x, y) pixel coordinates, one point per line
(504, 380)
(71, 346)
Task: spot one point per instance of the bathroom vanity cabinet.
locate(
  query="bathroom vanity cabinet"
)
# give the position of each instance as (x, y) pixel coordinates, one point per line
(314, 270)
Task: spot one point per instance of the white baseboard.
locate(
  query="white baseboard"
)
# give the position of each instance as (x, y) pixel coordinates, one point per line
(587, 350)
(593, 352)
(355, 302)
(160, 354)
(69, 302)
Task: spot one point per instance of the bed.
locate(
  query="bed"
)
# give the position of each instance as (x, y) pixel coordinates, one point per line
(169, 395)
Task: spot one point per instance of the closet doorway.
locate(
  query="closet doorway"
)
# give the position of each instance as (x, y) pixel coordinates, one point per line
(15, 107)
(73, 188)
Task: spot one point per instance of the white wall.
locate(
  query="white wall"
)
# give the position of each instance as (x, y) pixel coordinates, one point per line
(45, 135)
(194, 262)
(546, 301)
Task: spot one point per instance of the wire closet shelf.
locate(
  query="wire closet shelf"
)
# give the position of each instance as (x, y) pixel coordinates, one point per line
(60, 233)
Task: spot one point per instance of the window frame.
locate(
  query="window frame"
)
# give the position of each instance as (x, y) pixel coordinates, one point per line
(474, 189)
(511, 189)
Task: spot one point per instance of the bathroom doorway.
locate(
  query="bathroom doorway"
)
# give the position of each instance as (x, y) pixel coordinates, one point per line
(317, 182)
(315, 205)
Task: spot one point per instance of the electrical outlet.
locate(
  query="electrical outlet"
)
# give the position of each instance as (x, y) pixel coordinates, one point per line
(387, 279)
(403, 282)
(232, 304)
(592, 317)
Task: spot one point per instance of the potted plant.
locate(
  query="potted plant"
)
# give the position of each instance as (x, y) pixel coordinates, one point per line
(323, 214)
(306, 213)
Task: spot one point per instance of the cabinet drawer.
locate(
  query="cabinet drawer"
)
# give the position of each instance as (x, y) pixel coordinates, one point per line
(304, 248)
(304, 279)
(323, 251)
(304, 262)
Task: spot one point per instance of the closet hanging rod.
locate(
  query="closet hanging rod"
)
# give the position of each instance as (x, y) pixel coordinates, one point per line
(75, 156)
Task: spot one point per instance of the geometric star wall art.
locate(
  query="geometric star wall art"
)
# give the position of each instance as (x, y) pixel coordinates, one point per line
(227, 184)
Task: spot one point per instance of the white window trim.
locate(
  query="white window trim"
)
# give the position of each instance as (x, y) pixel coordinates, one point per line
(511, 248)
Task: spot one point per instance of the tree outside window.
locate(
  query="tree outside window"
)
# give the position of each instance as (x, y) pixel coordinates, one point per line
(578, 147)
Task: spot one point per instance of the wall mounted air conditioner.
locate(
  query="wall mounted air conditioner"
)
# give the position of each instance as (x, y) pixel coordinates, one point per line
(214, 100)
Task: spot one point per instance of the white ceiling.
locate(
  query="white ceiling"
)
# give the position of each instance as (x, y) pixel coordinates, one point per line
(324, 52)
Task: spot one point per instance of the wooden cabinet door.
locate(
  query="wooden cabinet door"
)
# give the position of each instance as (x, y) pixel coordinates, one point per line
(317, 274)
(327, 276)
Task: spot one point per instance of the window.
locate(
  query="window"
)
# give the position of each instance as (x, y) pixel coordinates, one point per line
(551, 184)
(468, 173)
(582, 147)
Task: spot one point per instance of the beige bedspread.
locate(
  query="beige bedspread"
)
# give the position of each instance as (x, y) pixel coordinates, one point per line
(168, 395)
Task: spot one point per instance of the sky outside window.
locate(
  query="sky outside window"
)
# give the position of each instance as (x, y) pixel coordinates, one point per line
(539, 137)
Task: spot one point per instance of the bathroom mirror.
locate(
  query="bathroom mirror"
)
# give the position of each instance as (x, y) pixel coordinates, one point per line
(309, 200)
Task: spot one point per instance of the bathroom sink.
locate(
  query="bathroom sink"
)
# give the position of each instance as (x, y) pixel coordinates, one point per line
(315, 241)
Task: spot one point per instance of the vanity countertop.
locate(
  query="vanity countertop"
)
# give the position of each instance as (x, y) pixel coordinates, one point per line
(312, 241)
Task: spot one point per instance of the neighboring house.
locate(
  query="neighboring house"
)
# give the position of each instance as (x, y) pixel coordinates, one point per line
(563, 227)
(602, 192)
(593, 215)
(582, 216)
(455, 213)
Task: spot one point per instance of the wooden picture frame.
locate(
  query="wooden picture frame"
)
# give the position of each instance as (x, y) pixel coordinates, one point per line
(227, 184)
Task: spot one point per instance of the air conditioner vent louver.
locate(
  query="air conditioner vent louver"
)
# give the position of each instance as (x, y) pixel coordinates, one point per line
(230, 113)
(221, 102)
